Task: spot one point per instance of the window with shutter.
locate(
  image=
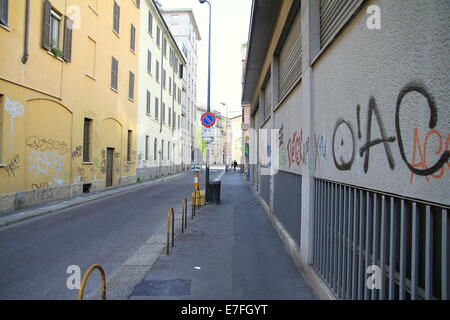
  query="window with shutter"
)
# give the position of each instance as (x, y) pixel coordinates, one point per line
(155, 147)
(68, 26)
(156, 108)
(170, 116)
(334, 15)
(149, 62)
(130, 136)
(131, 86)
(150, 24)
(87, 140)
(133, 38)
(147, 138)
(116, 18)
(158, 36)
(46, 25)
(148, 102)
(290, 59)
(114, 74)
(157, 71)
(4, 12)
(163, 115)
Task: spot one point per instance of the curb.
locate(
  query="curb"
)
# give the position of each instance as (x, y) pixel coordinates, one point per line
(37, 212)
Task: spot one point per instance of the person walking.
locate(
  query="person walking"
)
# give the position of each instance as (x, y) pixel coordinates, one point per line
(235, 164)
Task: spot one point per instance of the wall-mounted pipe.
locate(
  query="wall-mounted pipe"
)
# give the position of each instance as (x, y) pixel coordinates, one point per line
(27, 32)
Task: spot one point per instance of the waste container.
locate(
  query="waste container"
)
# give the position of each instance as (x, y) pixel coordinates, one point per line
(214, 191)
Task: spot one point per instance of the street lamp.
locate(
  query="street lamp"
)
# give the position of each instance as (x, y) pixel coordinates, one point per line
(209, 101)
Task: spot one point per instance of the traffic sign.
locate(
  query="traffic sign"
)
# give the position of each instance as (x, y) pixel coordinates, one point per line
(208, 134)
(208, 119)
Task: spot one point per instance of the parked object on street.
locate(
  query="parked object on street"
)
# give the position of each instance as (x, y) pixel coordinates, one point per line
(214, 191)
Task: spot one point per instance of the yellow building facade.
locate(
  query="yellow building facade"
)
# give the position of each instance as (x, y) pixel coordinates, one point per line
(68, 98)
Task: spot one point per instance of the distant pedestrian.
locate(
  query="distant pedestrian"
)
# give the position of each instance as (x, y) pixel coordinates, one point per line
(235, 164)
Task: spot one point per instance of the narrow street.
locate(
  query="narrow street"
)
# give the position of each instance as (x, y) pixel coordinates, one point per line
(35, 254)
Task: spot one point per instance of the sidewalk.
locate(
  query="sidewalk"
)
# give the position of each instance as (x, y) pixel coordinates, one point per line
(229, 252)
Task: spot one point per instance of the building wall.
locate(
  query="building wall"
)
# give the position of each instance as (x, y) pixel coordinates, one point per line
(149, 124)
(45, 101)
(365, 125)
(183, 26)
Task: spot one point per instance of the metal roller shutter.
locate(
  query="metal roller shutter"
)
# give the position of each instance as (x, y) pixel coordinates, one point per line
(333, 15)
(268, 98)
(290, 68)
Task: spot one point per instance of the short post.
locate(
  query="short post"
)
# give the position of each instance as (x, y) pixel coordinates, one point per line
(170, 213)
(86, 276)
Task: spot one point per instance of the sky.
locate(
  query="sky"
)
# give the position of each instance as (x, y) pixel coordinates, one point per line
(230, 25)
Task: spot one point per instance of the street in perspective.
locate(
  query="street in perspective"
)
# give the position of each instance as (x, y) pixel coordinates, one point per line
(222, 155)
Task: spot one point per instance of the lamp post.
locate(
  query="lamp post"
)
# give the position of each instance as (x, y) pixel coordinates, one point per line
(226, 135)
(209, 102)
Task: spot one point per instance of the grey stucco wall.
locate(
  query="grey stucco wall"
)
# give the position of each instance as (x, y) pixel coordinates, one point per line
(365, 73)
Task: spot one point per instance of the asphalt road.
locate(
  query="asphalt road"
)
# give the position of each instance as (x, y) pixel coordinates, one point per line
(35, 254)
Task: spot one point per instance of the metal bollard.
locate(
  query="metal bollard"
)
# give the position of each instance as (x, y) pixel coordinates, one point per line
(170, 213)
(86, 276)
(184, 215)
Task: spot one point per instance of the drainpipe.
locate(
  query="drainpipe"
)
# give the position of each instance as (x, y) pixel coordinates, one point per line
(27, 31)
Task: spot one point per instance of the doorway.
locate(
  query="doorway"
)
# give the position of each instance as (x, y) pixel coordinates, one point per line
(109, 166)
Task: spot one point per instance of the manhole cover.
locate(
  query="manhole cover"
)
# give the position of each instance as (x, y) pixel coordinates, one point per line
(161, 288)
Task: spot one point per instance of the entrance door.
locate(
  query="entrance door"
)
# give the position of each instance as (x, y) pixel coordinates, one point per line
(109, 167)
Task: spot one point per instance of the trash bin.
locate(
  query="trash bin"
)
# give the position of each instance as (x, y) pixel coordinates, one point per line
(214, 191)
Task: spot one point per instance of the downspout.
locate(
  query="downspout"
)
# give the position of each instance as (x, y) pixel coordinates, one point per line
(27, 32)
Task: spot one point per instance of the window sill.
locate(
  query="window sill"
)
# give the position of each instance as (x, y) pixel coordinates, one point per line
(133, 51)
(115, 32)
(87, 163)
(2, 165)
(56, 57)
(5, 27)
(90, 77)
(115, 90)
(132, 100)
(148, 114)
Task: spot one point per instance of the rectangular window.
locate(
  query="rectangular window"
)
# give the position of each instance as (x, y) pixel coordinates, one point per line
(170, 85)
(147, 138)
(55, 25)
(158, 37)
(150, 24)
(165, 47)
(163, 112)
(168, 150)
(162, 150)
(170, 116)
(149, 96)
(130, 136)
(164, 78)
(131, 87)
(87, 134)
(178, 121)
(133, 38)
(290, 58)
(155, 148)
(90, 57)
(114, 74)
(157, 71)
(4, 12)
(116, 18)
(156, 108)
(333, 16)
(149, 62)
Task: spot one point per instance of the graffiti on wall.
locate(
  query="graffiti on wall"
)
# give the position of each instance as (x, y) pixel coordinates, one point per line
(320, 143)
(13, 166)
(297, 149)
(78, 152)
(39, 144)
(41, 192)
(47, 163)
(117, 162)
(344, 144)
(15, 109)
